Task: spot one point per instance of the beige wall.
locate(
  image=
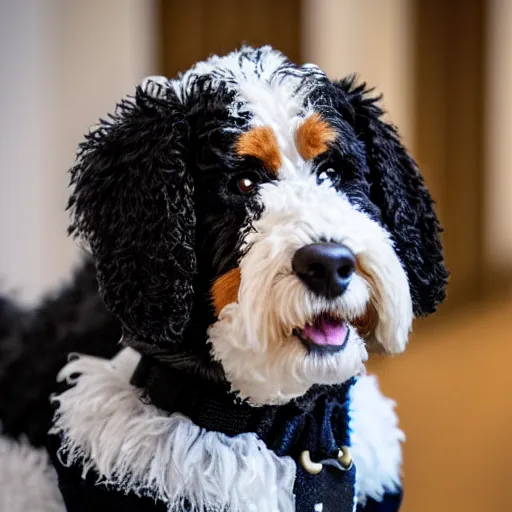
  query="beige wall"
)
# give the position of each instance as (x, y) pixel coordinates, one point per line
(63, 64)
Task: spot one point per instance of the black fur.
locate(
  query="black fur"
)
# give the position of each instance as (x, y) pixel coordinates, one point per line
(35, 345)
(11, 316)
(133, 205)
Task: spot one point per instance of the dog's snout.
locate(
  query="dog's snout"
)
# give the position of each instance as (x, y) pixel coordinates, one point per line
(325, 268)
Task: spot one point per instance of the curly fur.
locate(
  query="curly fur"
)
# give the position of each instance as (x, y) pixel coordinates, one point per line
(132, 205)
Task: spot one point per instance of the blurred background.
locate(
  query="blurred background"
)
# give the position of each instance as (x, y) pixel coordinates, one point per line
(445, 69)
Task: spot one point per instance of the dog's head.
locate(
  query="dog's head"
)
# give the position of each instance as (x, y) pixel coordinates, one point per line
(258, 210)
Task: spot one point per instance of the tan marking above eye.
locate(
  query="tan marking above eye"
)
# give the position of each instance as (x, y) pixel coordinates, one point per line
(313, 137)
(260, 142)
(225, 289)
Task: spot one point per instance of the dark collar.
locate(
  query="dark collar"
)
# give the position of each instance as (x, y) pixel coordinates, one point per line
(317, 423)
(318, 419)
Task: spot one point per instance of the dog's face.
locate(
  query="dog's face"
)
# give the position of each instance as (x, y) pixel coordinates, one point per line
(265, 201)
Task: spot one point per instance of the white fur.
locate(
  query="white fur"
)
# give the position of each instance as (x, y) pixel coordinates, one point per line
(376, 438)
(27, 480)
(264, 87)
(253, 337)
(135, 446)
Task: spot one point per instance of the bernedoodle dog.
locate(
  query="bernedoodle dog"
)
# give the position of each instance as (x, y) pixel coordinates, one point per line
(255, 229)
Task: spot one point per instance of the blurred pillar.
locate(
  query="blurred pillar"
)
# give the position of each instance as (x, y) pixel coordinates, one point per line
(63, 65)
(498, 241)
(192, 30)
(450, 100)
(372, 38)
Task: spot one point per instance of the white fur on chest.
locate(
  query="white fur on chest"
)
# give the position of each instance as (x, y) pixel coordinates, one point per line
(376, 440)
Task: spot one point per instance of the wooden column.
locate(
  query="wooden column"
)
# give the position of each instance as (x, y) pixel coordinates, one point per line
(449, 127)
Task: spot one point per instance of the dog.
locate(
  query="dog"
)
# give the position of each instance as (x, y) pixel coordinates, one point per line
(256, 229)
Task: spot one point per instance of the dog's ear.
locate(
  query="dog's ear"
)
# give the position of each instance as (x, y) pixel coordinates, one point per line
(132, 205)
(398, 190)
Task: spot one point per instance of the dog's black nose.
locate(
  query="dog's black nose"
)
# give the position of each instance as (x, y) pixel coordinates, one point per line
(325, 268)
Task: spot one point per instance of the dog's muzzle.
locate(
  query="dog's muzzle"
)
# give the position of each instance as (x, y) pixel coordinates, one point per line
(326, 269)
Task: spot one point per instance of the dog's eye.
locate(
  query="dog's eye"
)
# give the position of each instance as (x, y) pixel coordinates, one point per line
(244, 183)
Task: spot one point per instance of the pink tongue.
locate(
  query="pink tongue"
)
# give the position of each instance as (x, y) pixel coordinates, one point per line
(326, 331)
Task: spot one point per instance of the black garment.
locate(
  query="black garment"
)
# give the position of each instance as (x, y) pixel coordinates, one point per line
(318, 422)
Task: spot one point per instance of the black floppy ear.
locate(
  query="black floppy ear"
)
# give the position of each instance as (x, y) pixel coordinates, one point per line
(133, 207)
(398, 190)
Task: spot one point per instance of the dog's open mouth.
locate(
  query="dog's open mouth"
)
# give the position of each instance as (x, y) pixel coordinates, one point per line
(325, 334)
